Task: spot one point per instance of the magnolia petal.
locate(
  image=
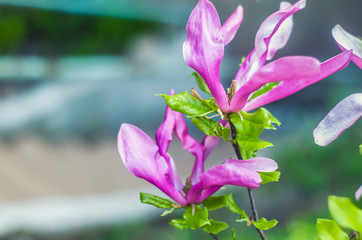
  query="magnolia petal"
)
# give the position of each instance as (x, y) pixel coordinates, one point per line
(198, 194)
(341, 117)
(263, 38)
(174, 122)
(281, 36)
(209, 142)
(347, 41)
(286, 88)
(232, 24)
(237, 172)
(258, 164)
(283, 69)
(358, 194)
(203, 49)
(141, 157)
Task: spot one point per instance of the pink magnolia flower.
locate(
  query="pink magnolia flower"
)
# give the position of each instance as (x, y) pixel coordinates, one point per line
(347, 111)
(149, 160)
(341, 117)
(203, 51)
(347, 42)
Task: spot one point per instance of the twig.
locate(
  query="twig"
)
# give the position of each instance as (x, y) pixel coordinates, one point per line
(214, 236)
(250, 191)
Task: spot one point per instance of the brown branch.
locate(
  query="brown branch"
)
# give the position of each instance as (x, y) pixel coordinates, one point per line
(250, 191)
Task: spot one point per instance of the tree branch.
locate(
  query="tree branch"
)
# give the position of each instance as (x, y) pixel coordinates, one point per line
(250, 191)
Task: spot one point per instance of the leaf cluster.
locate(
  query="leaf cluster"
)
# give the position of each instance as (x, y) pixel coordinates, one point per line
(345, 215)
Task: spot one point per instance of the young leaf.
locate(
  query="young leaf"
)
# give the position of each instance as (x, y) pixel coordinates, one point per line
(233, 234)
(201, 83)
(186, 103)
(264, 224)
(345, 213)
(216, 202)
(329, 230)
(196, 217)
(249, 126)
(154, 200)
(264, 89)
(211, 127)
(215, 227)
(269, 176)
(233, 207)
(179, 223)
(166, 212)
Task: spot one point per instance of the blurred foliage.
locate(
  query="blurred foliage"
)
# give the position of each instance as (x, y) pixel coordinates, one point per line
(52, 33)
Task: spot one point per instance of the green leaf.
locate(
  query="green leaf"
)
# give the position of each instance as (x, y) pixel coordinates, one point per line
(196, 217)
(329, 230)
(166, 212)
(215, 227)
(242, 60)
(211, 127)
(233, 234)
(264, 224)
(179, 223)
(249, 126)
(215, 202)
(345, 213)
(154, 200)
(264, 89)
(232, 206)
(186, 103)
(360, 149)
(201, 83)
(269, 176)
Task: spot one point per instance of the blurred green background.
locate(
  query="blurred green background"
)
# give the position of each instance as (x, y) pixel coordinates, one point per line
(72, 71)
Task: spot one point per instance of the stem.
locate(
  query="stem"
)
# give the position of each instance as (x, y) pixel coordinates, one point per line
(353, 234)
(214, 236)
(250, 191)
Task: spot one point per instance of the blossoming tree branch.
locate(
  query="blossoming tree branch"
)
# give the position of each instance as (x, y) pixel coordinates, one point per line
(225, 115)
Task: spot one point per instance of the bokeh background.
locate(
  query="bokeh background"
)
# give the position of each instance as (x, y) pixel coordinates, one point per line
(72, 71)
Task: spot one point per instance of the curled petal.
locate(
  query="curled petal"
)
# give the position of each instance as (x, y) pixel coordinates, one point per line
(283, 69)
(198, 194)
(341, 117)
(264, 37)
(231, 26)
(203, 49)
(347, 41)
(174, 122)
(258, 164)
(358, 194)
(237, 172)
(232, 172)
(281, 36)
(141, 157)
(286, 88)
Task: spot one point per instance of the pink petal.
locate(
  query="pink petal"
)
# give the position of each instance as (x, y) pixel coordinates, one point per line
(283, 69)
(281, 36)
(141, 157)
(203, 49)
(231, 26)
(358, 194)
(287, 88)
(209, 142)
(258, 164)
(232, 172)
(341, 117)
(198, 194)
(347, 41)
(264, 37)
(174, 122)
